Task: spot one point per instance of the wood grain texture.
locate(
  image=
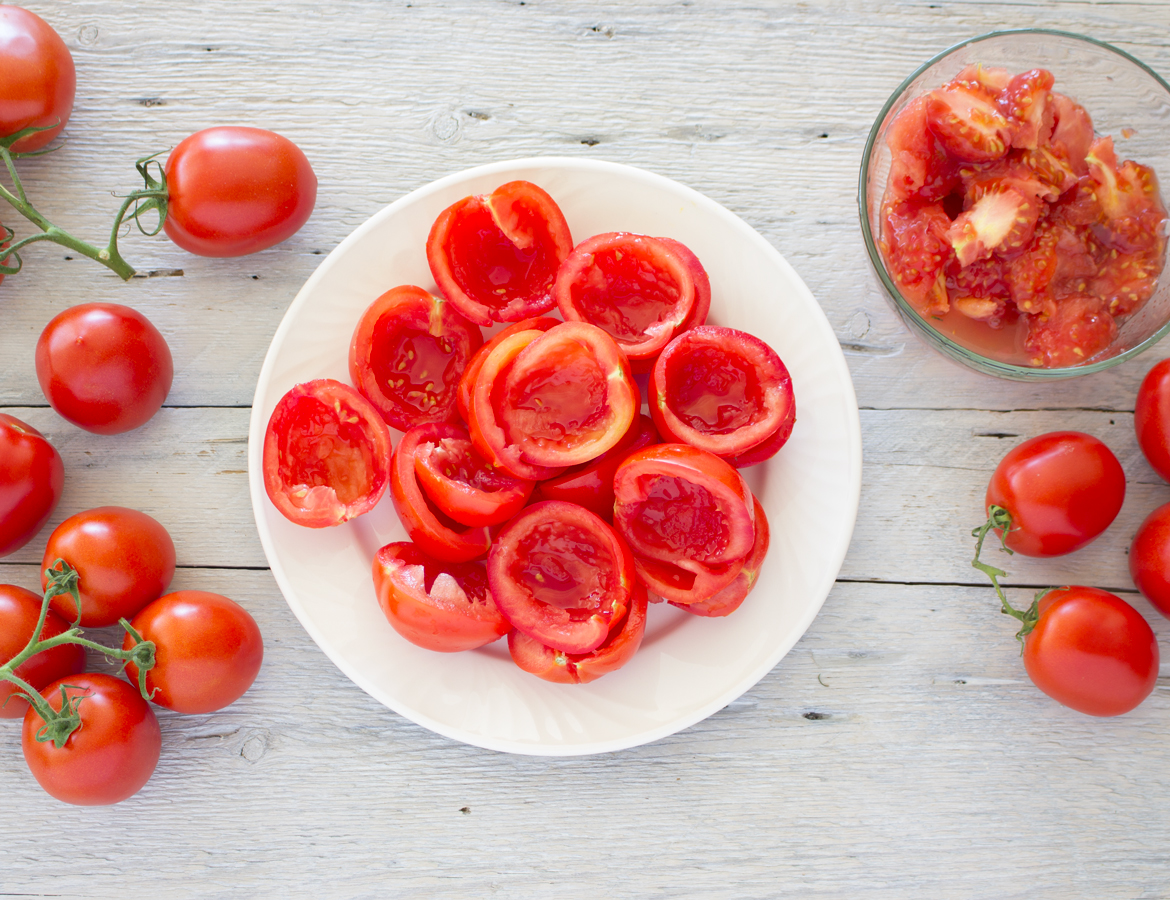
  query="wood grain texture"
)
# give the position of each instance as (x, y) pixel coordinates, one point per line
(898, 751)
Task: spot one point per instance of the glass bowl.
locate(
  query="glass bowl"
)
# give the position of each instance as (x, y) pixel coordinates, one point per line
(1124, 97)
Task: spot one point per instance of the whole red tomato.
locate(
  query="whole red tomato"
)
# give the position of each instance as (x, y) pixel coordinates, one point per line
(1091, 651)
(1151, 418)
(31, 478)
(208, 651)
(110, 757)
(124, 559)
(19, 611)
(235, 190)
(1149, 559)
(37, 78)
(104, 367)
(1062, 490)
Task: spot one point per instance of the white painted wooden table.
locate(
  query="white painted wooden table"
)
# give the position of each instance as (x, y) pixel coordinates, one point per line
(898, 751)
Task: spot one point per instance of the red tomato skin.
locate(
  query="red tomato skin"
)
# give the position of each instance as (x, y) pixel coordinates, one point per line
(37, 78)
(433, 536)
(208, 650)
(19, 611)
(1092, 652)
(1151, 418)
(110, 757)
(299, 482)
(104, 367)
(235, 190)
(402, 311)
(581, 668)
(32, 477)
(1062, 489)
(1149, 559)
(728, 599)
(124, 559)
(447, 618)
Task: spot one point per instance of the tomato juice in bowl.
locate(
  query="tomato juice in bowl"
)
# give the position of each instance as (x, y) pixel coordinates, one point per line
(1125, 99)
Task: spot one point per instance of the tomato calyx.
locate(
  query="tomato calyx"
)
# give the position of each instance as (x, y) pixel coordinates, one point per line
(1000, 521)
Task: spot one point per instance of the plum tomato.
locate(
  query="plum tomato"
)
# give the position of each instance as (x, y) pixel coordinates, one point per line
(1061, 489)
(1151, 418)
(723, 391)
(326, 454)
(561, 575)
(467, 381)
(591, 484)
(20, 610)
(727, 600)
(234, 190)
(31, 479)
(638, 289)
(581, 668)
(407, 355)
(566, 398)
(110, 756)
(437, 605)
(436, 533)
(1091, 651)
(37, 78)
(462, 483)
(104, 367)
(124, 559)
(495, 256)
(208, 650)
(1149, 559)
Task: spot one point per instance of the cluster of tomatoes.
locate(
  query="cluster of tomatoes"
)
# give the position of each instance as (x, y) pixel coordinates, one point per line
(539, 501)
(1052, 495)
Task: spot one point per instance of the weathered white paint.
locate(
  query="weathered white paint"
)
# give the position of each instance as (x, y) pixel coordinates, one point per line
(898, 751)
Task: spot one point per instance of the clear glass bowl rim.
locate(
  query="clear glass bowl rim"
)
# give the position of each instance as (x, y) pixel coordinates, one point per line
(958, 351)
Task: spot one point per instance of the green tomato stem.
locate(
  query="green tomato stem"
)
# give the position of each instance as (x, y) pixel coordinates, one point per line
(1000, 519)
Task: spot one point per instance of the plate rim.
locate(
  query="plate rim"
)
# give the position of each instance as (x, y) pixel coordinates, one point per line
(257, 426)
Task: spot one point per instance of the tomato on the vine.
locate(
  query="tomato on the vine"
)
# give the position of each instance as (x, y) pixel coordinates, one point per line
(104, 367)
(37, 78)
(234, 190)
(124, 559)
(208, 650)
(1061, 489)
(1151, 418)
(19, 611)
(1149, 559)
(32, 477)
(110, 756)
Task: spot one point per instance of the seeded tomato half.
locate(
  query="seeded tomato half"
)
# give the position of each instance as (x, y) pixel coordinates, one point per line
(495, 256)
(561, 575)
(326, 454)
(407, 355)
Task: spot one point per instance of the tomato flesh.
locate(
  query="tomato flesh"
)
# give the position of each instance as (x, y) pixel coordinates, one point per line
(561, 575)
(723, 391)
(1062, 490)
(1092, 651)
(495, 256)
(326, 454)
(459, 481)
(32, 477)
(437, 605)
(581, 668)
(407, 355)
(20, 610)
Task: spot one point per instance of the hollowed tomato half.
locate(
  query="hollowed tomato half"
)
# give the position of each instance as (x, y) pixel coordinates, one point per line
(437, 605)
(581, 668)
(561, 575)
(407, 355)
(640, 290)
(460, 482)
(436, 533)
(467, 382)
(723, 391)
(591, 484)
(685, 586)
(495, 256)
(326, 454)
(729, 599)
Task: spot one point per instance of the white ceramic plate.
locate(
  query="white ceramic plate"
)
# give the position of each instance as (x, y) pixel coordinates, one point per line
(688, 667)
